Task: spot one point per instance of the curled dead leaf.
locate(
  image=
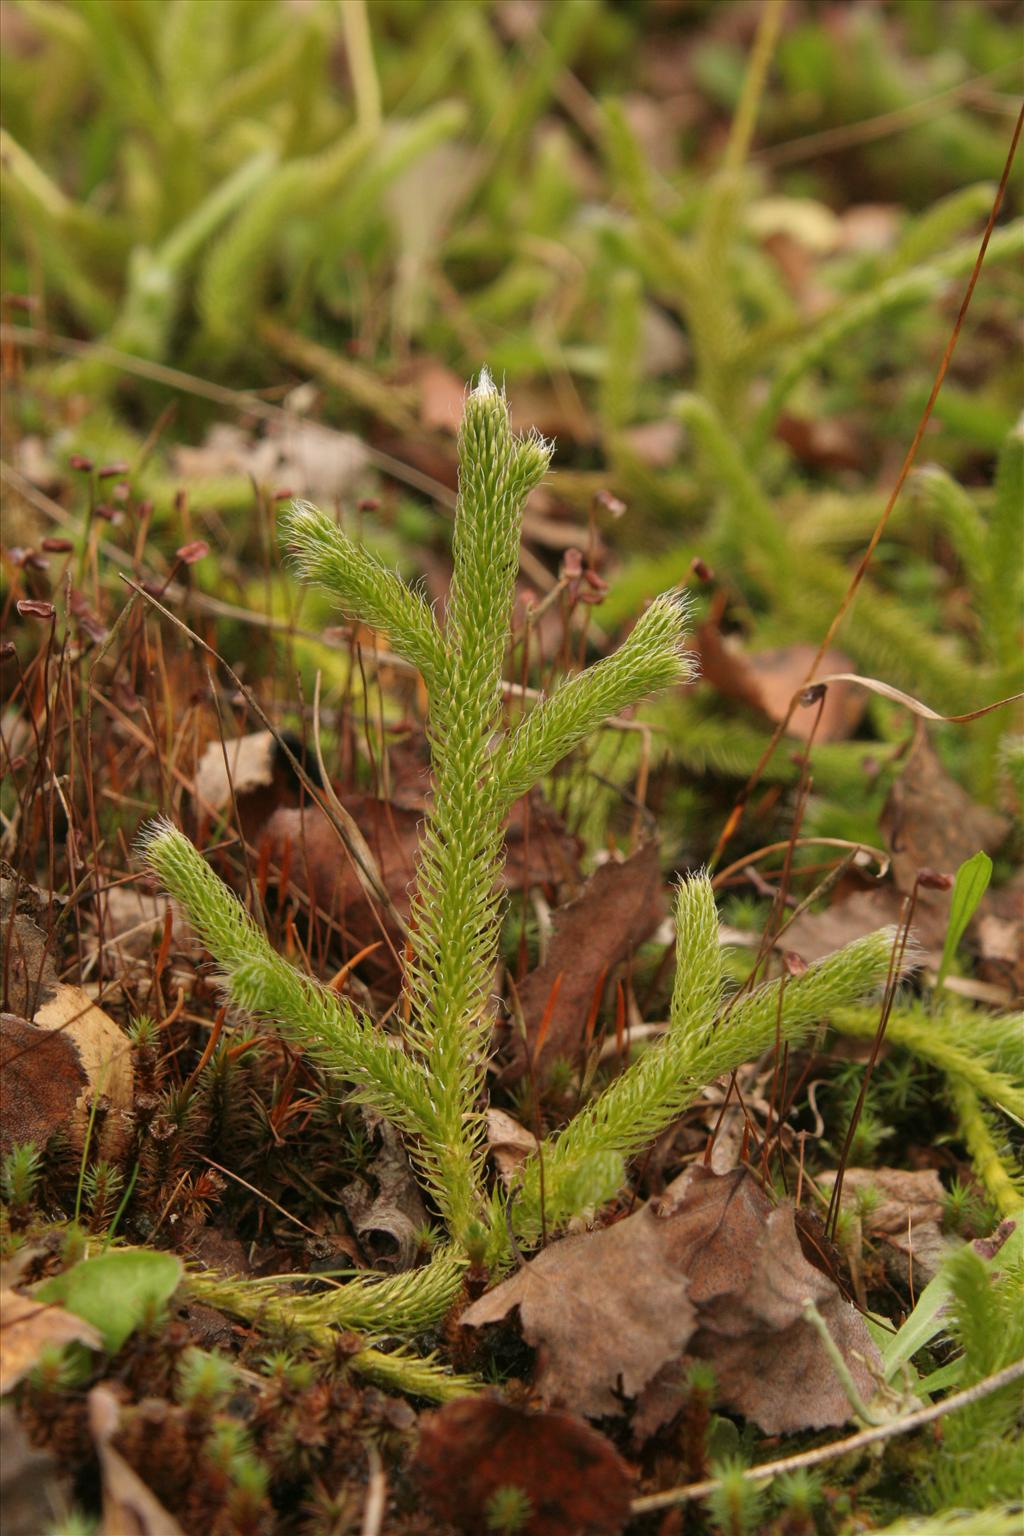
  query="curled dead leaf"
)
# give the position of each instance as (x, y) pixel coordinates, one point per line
(509, 1143)
(388, 1222)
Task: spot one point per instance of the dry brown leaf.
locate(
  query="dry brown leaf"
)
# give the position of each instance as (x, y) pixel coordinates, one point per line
(250, 775)
(907, 1217)
(442, 397)
(57, 1066)
(620, 906)
(552, 408)
(657, 444)
(823, 443)
(132, 921)
(749, 1280)
(26, 928)
(1001, 951)
(575, 1480)
(710, 1270)
(242, 765)
(816, 934)
(606, 1310)
(539, 851)
(28, 1327)
(300, 456)
(29, 973)
(129, 1507)
(509, 1143)
(870, 227)
(304, 842)
(767, 681)
(104, 1054)
(58, 1051)
(42, 1080)
(929, 822)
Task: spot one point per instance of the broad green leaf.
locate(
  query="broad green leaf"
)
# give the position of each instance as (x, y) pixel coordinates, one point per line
(115, 1291)
(969, 887)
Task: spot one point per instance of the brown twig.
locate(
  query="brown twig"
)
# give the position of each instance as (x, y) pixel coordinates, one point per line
(822, 1453)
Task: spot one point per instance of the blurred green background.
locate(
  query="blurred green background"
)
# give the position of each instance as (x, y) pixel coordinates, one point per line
(714, 249)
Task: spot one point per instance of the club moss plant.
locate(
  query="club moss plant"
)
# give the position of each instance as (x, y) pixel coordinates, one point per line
(431, 1081)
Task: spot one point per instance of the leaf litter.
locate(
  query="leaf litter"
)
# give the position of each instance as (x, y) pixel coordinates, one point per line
(710, 1270)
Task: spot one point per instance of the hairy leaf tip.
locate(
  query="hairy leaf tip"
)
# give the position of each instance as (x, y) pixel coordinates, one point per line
(485, 385)
(296, 522)
(151, 833)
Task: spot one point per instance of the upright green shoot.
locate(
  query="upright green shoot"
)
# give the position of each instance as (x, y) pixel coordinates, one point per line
(433, 1089)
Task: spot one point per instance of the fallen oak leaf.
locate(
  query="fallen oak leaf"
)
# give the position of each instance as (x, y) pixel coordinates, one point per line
(606, 1310)
(572, 1477)
(767, 681)
(710, 1270)
(930, 822)
(750, 1282)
